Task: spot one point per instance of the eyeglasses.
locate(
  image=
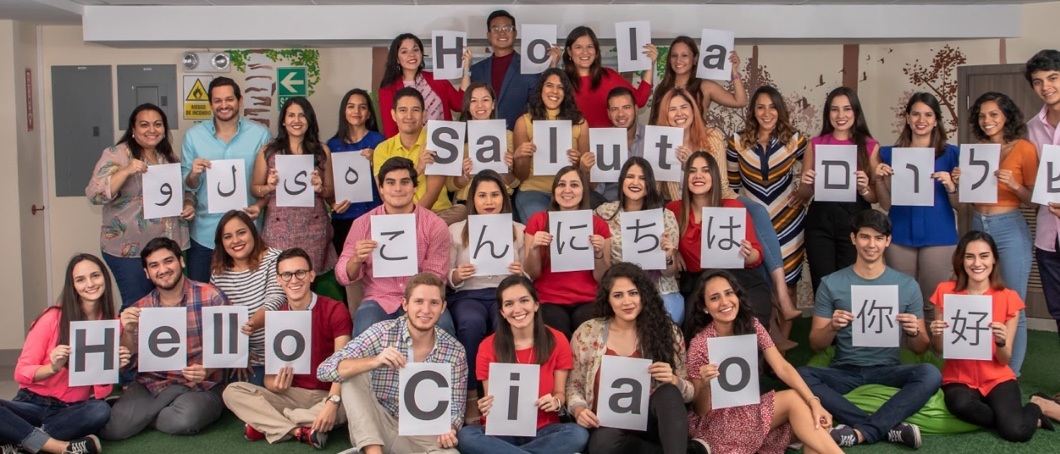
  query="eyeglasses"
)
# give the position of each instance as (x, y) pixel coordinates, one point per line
(504, 29)
(300, 274)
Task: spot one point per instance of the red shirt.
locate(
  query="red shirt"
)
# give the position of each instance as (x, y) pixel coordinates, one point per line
(560, 359)
(331, 319)
(690, 243)
(498, 69)
(568, 287)
(593, 103)
(43, 337)
(980, 375)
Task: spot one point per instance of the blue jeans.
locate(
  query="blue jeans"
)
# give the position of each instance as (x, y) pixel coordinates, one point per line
(1014, 247)
(198, 260)
(555, 438)
(132, 280)
(370, 313)
(475, 315)
(763, 225)
(1049, 269)
(29, 420)
(916, 385)
(528, 203)
(675, 306)
(255, 377)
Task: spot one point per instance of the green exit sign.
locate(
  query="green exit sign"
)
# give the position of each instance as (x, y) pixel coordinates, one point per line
(291, 81)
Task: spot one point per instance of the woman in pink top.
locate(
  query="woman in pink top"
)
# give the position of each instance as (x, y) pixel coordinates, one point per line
(591, 82)
(48, 414)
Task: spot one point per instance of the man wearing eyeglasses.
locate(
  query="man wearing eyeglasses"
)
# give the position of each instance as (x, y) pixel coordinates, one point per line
(501, 71)
(289, 405)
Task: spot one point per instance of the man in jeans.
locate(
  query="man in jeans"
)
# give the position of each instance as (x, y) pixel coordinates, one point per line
(856, 366)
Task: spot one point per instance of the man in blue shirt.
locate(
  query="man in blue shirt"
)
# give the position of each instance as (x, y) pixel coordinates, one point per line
(227, 136)
(501, 71)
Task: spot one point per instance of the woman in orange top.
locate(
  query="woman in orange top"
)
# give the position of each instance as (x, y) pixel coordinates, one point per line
(996, 119)
(985, 393)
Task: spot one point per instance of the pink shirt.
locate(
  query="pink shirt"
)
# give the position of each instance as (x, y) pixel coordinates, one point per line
(42, 338)
(432, 248)
(1040, 132)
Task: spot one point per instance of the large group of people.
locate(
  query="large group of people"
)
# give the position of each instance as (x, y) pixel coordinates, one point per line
(270, 257)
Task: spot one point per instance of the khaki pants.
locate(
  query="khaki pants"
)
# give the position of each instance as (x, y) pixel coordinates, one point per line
(453, 214)
(370, 423)
(273, 414)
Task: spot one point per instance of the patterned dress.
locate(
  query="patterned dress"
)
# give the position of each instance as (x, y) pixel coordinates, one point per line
(767, 176)
(306, 227)
(735, 430)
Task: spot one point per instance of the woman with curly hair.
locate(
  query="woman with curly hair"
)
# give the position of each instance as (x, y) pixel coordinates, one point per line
(633, 324)
(720, 310)
(682, 61)
(995, 118)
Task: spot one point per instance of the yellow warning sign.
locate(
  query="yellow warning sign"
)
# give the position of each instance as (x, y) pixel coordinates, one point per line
(197, 92)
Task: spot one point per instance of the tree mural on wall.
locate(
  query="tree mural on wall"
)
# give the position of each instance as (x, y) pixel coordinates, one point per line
(940, 78)
(259, 68)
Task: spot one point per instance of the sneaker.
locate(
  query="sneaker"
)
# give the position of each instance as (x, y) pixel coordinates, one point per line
(85, 445)
(311, 437)
(905, 434)
(698, 446)
(844, 436)
(252, 434)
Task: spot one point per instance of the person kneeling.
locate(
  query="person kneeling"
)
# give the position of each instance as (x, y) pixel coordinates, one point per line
(290, 405)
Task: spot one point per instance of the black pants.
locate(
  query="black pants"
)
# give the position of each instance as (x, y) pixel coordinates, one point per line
(1000, 409)
(827, 233)
(566, 318)
(758, 293)
(667, 428)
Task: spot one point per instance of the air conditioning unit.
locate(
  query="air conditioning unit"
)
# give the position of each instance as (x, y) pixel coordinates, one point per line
(206, 62)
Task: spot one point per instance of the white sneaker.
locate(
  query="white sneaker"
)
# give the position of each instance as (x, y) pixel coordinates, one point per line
(352, 450)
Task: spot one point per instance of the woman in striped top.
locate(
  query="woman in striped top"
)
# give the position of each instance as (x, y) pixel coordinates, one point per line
(244, 269)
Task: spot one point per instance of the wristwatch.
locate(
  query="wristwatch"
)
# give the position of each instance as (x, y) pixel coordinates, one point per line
(335, 399)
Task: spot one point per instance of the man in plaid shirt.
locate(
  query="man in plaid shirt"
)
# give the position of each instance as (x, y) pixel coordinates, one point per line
(175, 402)
(369, 366)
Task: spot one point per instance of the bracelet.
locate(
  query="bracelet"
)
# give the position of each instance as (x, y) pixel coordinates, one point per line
(954, 191)
(865, 193)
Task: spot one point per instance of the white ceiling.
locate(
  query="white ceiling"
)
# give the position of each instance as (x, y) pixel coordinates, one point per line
(69, 11)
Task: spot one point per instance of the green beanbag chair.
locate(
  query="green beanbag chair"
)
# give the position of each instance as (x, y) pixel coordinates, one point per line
(933, 417)
(326, 284)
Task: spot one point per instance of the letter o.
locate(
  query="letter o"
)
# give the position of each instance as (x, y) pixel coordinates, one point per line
(745, 374)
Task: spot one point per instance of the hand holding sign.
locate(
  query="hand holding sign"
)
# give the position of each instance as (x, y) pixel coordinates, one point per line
(875, 309)
(537, 40)
(353, 177)
(660, 150)
(162, 191)
(836, 167)
(736, 358)
(967, 332)
(396, 251)
(570, 249)
(226, 185)
(912, 184)
(978, 172)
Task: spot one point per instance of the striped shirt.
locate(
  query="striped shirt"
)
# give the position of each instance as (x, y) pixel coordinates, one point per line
(254, 289)
(385, 384)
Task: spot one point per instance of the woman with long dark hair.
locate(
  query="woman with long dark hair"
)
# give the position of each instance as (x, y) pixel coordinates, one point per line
(591, 81)
(632, 323)
(523, 338)
(985, 392)
(720, 309)
(924, 237)
(48, 414)
(682, 62)
(995, 118)
(480, 104)
(306, 227)
(404, 68)
(117, 185)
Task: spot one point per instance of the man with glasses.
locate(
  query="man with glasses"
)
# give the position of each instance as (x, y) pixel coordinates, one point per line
(501, 71)
(289, 405)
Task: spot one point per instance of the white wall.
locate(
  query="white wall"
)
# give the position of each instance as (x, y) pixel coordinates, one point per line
(11, 325)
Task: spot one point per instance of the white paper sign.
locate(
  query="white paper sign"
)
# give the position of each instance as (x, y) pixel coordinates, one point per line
(535, 42)
(611, 149)
(836, 167)
(490, 243)
(624, 387)
(424, 399)
(737, 360)
(642, 235)
(968, 335)
(630, 39)
(911, 184)
(353, 176)
(714, 50)
(514, 388)
(875, 309)
(1047, 183)
(94, 352)
(289, 341)
(295, 185)
(396, 255)
(487, 142)
(553, 138)
(979, 163)
(723, 230)
(163, 191)
(570, 249)
(163, 339)
(446, 140)
(223, 343)
(226, 185)
(448, 53)
(660, 149)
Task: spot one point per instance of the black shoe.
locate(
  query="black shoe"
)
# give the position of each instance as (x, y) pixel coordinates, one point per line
(86, 445)
(844, 436)
(698, 446)
(905, 434)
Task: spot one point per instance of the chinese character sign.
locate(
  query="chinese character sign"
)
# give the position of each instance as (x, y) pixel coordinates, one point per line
(968, 334)
(875, 309)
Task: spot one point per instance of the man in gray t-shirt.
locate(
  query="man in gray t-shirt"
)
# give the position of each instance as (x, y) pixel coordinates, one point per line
(856, 366)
